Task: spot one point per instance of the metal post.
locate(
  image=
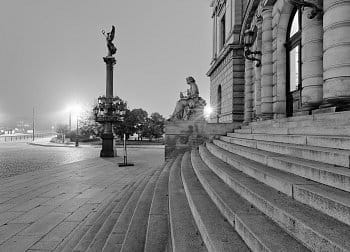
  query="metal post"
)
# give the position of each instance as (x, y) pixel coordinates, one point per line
(33, 124)
(76, 136)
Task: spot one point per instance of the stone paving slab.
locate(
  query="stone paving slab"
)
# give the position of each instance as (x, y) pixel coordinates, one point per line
(39, 210)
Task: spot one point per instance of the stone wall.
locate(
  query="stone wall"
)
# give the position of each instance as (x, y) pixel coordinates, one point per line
(185, 135)
(229, 73)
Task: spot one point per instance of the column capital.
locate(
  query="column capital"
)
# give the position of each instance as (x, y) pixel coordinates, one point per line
(109, 60)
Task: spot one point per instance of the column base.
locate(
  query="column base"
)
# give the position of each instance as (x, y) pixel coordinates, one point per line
(266, 116)
(107, 146)
(340, 104)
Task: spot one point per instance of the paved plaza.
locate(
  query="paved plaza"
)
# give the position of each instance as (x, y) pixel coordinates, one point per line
(41, 209)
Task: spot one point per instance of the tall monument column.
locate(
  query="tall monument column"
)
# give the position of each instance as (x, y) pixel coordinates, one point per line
(336, 54)
(266, 65)
(108, 136)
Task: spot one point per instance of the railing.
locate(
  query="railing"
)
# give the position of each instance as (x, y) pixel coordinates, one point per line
(23, 137)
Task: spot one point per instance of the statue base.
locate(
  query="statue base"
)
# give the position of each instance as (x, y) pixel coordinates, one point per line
(108, 146)
(184, 135)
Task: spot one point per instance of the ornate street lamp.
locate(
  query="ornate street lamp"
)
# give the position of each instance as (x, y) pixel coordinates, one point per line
(249, 38)
(302, 4)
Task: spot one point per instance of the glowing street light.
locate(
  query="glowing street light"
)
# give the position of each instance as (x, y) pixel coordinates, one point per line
(76, 110)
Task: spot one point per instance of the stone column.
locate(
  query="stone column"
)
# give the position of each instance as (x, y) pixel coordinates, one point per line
(248, 98)
(107, 136)
(336, 54)
(267, 65)
(312, 54)
(257, 70)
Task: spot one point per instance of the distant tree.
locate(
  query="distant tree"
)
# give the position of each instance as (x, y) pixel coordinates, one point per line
(62, 130)
(155, 126)
(138, 118)
(88, 126)
(122, 126)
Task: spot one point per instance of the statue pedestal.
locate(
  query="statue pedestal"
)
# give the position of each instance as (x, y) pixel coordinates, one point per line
(181, 135)
(107, 145)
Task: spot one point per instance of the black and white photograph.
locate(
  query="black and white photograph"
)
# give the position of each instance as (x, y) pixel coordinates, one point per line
(174, 125)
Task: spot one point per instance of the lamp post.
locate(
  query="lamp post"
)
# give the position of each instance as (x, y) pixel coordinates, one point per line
(77, 134)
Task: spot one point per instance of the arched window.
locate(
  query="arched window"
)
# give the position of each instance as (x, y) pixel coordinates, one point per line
(293, 50)
(219, 101)
(293, 46)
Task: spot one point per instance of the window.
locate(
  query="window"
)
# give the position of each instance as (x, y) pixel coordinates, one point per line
(293, 46)
(222, 31)
(218, 105)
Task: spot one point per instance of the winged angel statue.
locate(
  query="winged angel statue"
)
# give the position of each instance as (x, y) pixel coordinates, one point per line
(109, 38)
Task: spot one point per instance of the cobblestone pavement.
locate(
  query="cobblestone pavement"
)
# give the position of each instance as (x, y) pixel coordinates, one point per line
(39, 210)
(19, 158)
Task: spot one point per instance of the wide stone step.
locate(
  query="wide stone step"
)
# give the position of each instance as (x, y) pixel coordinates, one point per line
(184, 232)
(331, 201)
(94, 229)
(102, 235)
(300, 130)
(335, 176)
(321, 154)
(280, 180)
(157, 235)
(316, 230)
(136, 235)
(336, 142)
(258, 231)
(76, 235)
(116, 237)
(319, 120)
(217, 233)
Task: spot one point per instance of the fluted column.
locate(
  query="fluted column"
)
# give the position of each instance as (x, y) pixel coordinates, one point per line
(257, 70)
(248, 98)
(336, 53)
(312, 54)
(266, 65)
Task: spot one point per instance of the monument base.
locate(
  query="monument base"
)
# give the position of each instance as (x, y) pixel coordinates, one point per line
(184, 135)
(107, 146)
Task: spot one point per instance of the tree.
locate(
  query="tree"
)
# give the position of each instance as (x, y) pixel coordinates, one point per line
(136, 121)
(88, 126)
(62, 130)
(155, 126)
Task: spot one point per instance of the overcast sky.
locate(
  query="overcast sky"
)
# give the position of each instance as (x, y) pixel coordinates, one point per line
(51, 54)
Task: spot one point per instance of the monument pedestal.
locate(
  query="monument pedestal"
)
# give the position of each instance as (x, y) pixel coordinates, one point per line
(184, 135)
(107, 145)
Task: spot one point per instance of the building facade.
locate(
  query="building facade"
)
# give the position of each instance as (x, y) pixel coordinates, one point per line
(279, 58)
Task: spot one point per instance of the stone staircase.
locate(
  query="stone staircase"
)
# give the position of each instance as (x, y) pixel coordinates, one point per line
(279, 185)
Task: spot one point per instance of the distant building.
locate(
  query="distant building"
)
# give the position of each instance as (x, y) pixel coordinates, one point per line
(305, 61)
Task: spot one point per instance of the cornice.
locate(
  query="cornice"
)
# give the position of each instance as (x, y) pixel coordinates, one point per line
(227, 49)
(248, 16)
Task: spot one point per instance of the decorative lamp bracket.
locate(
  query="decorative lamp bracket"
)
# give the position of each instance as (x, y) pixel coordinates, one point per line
(249, 37)
(302, 4)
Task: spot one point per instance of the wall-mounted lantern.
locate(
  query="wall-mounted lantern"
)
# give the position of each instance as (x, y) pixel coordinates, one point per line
(302, 4)
(249, 38)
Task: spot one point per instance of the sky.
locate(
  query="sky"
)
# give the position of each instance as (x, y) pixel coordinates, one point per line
(51, 54)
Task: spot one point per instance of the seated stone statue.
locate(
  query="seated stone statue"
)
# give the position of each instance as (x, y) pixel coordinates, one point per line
(189, 107)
